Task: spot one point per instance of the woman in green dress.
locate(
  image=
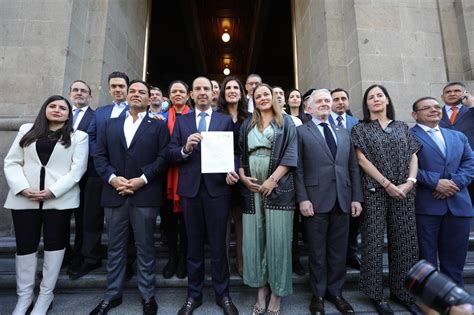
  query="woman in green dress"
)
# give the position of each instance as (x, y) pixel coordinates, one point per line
(269, 155)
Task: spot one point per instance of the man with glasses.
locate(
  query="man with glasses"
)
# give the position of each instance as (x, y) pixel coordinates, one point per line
(443, 207)
(252, 81)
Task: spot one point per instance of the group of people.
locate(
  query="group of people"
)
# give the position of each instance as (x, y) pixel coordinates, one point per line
(301, 159)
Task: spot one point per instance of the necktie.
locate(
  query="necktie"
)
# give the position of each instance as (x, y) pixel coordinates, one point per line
(329, 139)
(75, 115)
(202, 122)
(454, 110)
(339, 121)
(439, 143)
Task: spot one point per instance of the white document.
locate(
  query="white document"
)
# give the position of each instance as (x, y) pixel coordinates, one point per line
(217, 151)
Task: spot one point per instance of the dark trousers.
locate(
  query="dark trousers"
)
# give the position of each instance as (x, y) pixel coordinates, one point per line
(445, 237)
(353, 244)
(143, 222)
(74, 253)
(93, 224)
(173, 226)
(295, 251)
(202, 213)
(28, 225)
(327, 234)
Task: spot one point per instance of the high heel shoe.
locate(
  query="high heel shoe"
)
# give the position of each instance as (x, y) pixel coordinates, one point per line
(257, 310)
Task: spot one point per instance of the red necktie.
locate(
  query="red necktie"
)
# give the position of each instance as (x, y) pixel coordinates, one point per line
(454, 113)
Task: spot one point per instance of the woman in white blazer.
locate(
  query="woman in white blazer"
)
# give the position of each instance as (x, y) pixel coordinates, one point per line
(43, 168)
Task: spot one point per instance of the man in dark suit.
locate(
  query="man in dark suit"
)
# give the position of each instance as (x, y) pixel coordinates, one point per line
(93, 220)
(329, 191)
(205, 199)
(341, 118)
(443, 206)
(132, 171)
(458, 114)
(80, 95)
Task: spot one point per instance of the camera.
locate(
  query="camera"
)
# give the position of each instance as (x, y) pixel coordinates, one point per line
(435, 289)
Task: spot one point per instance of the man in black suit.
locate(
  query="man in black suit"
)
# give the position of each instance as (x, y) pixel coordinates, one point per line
(132, 171)
(328, 190)
(80, 95)
(205, 199)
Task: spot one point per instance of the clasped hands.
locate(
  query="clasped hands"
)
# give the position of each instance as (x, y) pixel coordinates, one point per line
(445, 189)
(41, 195)
(265, 188)
(126, 186)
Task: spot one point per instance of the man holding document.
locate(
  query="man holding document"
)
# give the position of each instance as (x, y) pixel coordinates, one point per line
(205, 198)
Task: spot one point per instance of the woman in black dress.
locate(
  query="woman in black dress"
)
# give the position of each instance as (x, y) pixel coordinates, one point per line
(386, 151)
(232, 102)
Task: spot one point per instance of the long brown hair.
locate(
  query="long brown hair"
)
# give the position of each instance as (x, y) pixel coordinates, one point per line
(257, 116)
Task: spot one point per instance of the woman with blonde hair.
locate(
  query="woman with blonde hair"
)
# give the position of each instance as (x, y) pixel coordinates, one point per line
(269, 155)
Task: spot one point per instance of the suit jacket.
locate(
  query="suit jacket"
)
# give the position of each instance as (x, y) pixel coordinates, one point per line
(102, 115)
(464, 122)
(84, 126)
(63, 172)
(351, 121)
(322, 179)
(457, 165)
(190, 175)
(146, 155)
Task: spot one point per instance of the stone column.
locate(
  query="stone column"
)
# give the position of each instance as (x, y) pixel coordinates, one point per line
(356, 43)
(47, 44)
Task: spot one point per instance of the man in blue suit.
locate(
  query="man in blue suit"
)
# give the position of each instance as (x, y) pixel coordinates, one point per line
(132, 171)
(458, 114)
(93, 220)
(342, 119)
(443, 205)
(205, 199)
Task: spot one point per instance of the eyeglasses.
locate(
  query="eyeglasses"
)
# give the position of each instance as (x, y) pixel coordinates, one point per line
(435, 107)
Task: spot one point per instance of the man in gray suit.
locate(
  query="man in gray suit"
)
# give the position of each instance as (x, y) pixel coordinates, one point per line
(328, 190)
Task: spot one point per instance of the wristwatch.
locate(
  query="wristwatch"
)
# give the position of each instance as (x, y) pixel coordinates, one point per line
(411, 179)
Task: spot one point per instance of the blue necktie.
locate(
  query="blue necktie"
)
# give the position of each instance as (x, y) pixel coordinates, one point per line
(202, 122)
(339, 121)
(75, 115)
(329, 139)
(441, 146)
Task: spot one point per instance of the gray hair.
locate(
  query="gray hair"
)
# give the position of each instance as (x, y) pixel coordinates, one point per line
(311, 97)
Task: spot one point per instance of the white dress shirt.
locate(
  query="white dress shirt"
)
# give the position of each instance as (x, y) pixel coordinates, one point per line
(208, 117)
(130, 127)
(118, 109)
(250, 104)
(82, 111)
(321, 128)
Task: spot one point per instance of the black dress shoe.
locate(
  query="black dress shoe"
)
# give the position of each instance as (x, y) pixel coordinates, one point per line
(340, 303)
(298, 267)
(189, 306)
(129, 272)
(353, 262)
(84, 269)
(412, 307)
(149, 306)
(105, 306)
(316, 307)
(382, 307)
(227, 306)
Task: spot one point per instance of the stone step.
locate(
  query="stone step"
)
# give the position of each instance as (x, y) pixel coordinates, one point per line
(76, 301)
(97, 278)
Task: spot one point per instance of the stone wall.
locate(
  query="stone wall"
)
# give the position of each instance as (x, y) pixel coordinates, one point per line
(411, 47)
(47, 44)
